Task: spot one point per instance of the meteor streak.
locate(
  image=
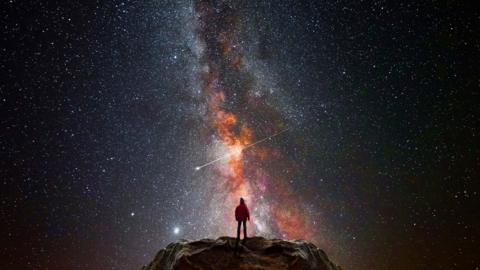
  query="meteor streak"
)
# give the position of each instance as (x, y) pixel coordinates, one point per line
(240, 150)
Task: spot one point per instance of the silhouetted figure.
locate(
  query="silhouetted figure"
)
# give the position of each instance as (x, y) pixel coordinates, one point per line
(241, 215)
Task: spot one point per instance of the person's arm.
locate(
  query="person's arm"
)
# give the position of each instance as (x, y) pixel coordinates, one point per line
(248, 214)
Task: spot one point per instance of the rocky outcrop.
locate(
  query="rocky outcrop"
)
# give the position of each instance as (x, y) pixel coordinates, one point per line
(256, 253)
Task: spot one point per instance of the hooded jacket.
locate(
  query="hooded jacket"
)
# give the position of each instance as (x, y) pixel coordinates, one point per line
(241, 212)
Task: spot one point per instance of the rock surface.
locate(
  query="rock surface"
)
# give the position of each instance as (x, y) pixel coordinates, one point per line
(256, 253)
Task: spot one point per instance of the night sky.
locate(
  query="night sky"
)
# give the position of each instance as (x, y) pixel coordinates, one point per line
(351, 124)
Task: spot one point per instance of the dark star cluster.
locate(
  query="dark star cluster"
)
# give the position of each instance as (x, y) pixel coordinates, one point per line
(126, 125)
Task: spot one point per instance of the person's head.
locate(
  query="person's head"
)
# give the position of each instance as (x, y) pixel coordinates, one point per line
(242, 201)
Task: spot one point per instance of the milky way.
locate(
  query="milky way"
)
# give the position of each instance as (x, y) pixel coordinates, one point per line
(351, 124)
(238, 111)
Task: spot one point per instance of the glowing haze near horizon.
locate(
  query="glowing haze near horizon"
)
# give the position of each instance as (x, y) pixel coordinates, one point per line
(128, 125)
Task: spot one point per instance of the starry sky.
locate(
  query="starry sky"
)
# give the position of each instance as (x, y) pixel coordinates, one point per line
(127, 125)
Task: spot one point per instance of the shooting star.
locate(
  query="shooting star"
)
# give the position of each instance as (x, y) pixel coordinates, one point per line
(239, 150)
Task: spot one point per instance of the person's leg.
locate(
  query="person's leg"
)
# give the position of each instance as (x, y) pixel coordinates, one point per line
(244, 229)
(238, 236)
(238, 229)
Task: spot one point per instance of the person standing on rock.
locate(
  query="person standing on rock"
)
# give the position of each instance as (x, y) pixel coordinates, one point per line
(241, 215)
